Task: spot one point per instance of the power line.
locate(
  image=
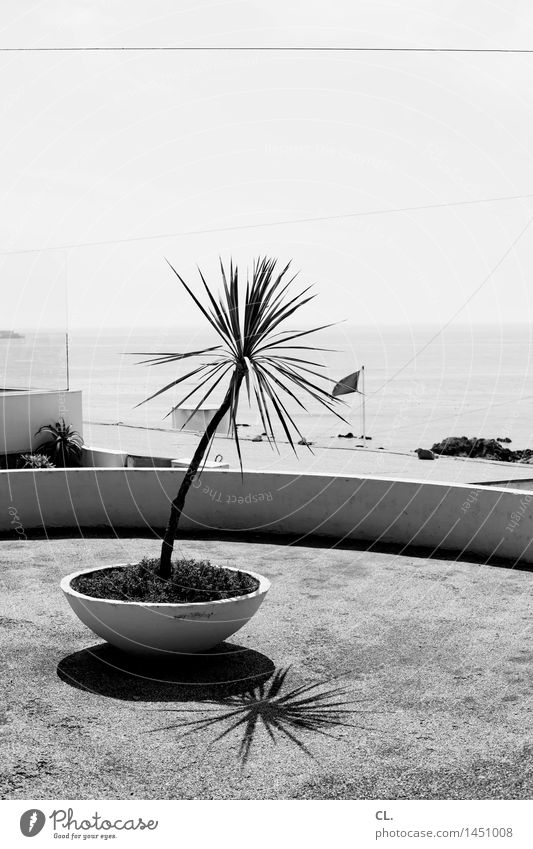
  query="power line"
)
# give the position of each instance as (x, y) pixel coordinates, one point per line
(232, 228)
(264, 49)
(458, 311)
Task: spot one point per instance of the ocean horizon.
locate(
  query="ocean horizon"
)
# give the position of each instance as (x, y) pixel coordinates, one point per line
(421, 385)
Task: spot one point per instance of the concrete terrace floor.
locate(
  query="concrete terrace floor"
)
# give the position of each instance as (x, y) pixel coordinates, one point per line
(430, 658)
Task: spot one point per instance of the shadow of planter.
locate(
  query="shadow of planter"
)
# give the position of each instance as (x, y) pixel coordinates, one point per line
(226, 670)
(237, 691)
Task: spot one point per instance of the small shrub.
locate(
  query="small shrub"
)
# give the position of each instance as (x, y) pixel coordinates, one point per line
(35, 461)
(63, 446)
(190, 581)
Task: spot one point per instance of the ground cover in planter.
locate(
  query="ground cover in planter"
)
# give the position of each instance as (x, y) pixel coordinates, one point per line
(134, 609)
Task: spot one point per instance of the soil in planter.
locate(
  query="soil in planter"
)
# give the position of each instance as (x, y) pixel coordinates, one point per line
(191, 581)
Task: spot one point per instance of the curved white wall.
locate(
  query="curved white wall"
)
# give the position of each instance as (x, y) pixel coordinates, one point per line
(484, 520)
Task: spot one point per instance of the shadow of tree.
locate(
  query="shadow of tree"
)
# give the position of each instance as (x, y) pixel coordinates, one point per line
(225, 671)
(281, 712)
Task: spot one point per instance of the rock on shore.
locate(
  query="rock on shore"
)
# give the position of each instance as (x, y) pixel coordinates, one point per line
(490, 449)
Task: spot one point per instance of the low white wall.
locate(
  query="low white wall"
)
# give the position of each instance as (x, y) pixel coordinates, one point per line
(517, 483)
(143, 461)
(103, 458)
(107, 458)
(188, 418)
(484, 520)
(23, 413)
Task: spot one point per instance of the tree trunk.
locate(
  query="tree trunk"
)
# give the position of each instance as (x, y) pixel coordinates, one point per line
(176, 509)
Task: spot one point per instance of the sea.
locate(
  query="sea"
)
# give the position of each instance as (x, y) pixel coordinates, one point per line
(421, 384)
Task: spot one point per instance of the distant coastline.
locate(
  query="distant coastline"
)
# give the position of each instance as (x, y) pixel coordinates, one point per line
(11, 334)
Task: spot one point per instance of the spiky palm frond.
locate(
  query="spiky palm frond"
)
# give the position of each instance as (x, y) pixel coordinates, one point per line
(254, 349)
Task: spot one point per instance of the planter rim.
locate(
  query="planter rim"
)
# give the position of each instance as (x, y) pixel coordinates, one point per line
(264, 586)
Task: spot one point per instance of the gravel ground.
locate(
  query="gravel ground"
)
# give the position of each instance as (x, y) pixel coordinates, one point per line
(425, 666)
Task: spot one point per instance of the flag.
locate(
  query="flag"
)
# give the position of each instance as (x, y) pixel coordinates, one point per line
(347, 384)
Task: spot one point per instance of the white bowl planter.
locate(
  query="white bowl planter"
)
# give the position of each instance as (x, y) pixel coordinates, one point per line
(164, 629)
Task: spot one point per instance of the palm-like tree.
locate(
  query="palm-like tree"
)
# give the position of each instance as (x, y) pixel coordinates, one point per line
(253, 352)
(63, 447)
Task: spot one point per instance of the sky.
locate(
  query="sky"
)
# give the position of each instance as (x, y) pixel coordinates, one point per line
(118, 146)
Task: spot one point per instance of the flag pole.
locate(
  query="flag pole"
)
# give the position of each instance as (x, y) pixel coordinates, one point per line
(363, 402)
(67, 352)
